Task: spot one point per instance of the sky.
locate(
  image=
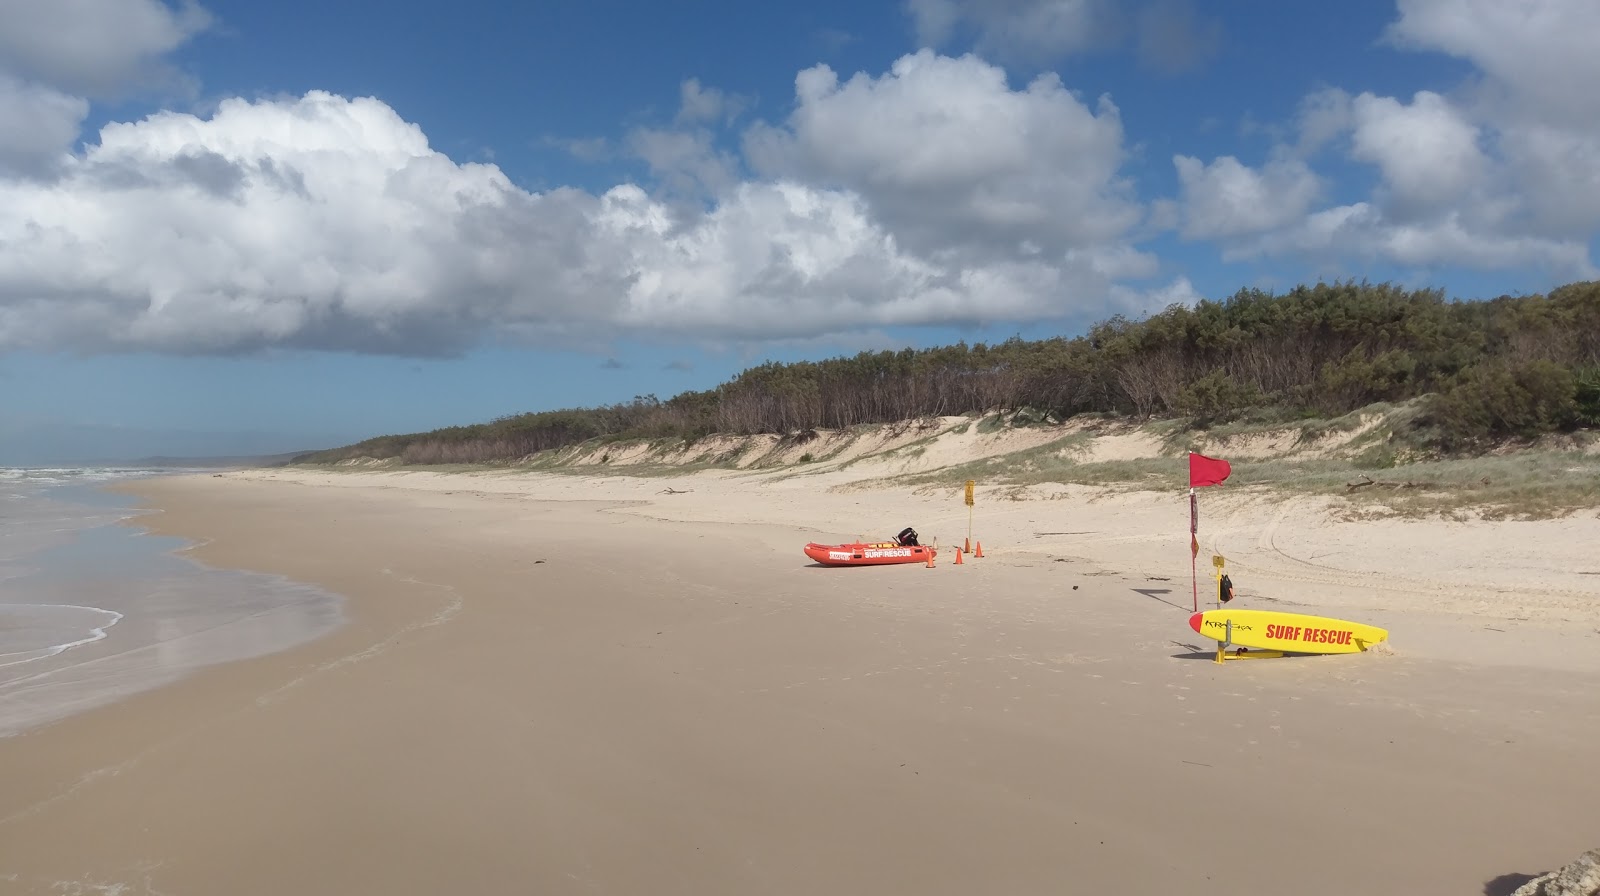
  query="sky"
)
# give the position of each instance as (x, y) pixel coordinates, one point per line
(237, 227)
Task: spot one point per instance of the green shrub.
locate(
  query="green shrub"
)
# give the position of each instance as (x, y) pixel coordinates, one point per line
(1499, 399)
(1587, 396)
(1217, 398)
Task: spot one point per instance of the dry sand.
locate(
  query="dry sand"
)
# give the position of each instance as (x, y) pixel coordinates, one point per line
(553, 684)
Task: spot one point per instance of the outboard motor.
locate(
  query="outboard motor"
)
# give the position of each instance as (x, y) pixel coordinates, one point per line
(907, 537)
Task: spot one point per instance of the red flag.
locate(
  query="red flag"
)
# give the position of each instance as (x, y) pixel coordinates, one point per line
(1207, 470)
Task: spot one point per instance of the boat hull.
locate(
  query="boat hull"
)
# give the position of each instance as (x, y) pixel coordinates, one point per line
(882, 553)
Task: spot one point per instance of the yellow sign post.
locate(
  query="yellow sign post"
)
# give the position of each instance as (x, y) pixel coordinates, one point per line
(970, 484)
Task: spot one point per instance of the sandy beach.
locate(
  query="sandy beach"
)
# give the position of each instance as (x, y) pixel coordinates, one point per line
(559, 684)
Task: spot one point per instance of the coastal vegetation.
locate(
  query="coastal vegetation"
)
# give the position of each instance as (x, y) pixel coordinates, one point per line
(1477, 374)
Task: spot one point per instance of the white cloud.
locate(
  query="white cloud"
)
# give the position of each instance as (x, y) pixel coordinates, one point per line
(685, 160)
(785, 259)
(319, 222)
(1538, 54)
(329, 223)
(697, 104)
(1557, 175)
(55, 56)
(94, 47)
(1473, 231)
(37, 126)
(1427, 150)
(1227, 199)
(1153, 301)
(1534, 99)
(933, 193)
(584, 149)
(1501, 173)
(1324, 116)
(1361, 231)
(685, 163)
(953, 160)
(933, 20)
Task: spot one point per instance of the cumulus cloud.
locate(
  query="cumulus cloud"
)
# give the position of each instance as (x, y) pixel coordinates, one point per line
(697, 103)
(1439, 203)
(1534, 96)
(685, 163)
(584, 149)
(931, 193)
(320, 222)
(1427, 150)
(95, 47)
(1557, 175)
(1324, 116)
(37, 126)
(1538, 56)
(330, 223)
(1227, 199)
(953, 160)
(1503, 172)
(784, 259)
(1152, 301)
(55, 57)
(1361, 231)
(685, 159)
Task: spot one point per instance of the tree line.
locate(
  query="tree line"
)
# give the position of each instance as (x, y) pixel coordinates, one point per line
(1487, 371)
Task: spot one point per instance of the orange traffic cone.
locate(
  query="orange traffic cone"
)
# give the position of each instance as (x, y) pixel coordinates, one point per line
(958, 556)
(930, 558)
(966, 545)
(979, 552)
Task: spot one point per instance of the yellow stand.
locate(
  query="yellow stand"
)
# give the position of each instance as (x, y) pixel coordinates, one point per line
(1245, 653)
(1241, 653)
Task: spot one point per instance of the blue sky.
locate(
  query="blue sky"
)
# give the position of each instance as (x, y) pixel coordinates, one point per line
(229, 227)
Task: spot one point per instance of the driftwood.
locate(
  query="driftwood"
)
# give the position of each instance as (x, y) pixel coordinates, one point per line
(672, 491)
(1368, 481)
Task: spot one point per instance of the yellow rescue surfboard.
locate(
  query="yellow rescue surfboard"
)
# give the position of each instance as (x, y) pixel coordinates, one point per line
(1288, 632)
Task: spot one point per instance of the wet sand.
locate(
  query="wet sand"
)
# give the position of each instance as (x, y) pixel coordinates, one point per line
(687, 706)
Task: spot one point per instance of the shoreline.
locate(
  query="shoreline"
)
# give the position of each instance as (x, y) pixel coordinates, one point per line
(581, 686)
(106, 607)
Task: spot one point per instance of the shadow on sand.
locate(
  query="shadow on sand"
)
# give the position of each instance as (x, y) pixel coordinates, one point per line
(1194, 652)
(1154, 594)
(815, 565)
(1506, 884)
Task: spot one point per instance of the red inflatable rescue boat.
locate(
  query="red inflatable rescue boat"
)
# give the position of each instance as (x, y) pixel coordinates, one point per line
(875, 553)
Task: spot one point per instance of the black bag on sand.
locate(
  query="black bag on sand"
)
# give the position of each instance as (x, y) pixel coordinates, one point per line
(1225, 589)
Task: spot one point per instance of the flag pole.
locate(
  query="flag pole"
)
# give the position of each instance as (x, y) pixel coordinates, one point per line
(1194, 548)
(1202, 471)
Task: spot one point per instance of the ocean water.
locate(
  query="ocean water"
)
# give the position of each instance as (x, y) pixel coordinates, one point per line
(92, 611)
